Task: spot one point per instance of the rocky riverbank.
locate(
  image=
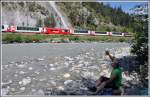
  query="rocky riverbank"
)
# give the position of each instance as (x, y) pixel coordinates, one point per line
(67, 75)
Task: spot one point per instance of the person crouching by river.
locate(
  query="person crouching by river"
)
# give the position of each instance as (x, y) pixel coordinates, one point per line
(114, 82)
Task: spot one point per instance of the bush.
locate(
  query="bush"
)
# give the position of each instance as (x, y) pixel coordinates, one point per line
(10, 38)
(18, 39)
(121, 39)
(73, 38)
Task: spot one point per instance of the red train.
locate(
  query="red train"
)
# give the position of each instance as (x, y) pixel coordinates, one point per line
(47, 30)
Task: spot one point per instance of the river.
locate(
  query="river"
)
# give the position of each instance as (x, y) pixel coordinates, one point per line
(31, 69)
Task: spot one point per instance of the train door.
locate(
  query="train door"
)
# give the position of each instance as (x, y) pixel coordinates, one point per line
(44, 30)
(92, 32)
(109, 33)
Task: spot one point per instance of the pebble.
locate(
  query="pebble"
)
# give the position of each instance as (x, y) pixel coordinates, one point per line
(127, 78)
(42, 79)
(53, 83)
(84, 88)
(69, 58)
(33, 90)
(37, 72)
(25, 81)
(40, 92)
(40, 59)
(51, 65)
(80, 65)
(86, 63)
(52, 69)
(22, 88)
(30, 68)
(5, 66)
(20, 66)
(21, 72)
(16, 75)
(6, 83)
(66, 64)
(44, 70)
(67, 75)
(87, 74)
(60, 88)
(67, 82)
(12, 89)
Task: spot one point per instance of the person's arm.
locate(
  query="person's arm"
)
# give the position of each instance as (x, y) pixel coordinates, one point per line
(110, 56)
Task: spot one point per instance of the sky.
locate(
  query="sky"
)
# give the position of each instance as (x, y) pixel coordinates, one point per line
(126, 6)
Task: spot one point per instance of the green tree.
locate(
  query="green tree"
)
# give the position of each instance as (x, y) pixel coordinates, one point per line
(140, 46)
(50, 21)
(39, 23)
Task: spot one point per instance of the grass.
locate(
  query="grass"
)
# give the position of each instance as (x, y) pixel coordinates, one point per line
(22, 38)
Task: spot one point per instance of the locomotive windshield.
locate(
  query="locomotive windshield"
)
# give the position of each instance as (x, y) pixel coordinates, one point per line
(2, 26)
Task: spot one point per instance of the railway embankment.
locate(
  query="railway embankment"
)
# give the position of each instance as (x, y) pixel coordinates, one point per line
(40, 38)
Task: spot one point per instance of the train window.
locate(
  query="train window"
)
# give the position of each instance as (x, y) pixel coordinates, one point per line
(2, 26)
(117, 33)
(84, 31)
(100, 32)
(26, 28)
(37, 29)
(64, 30)
(18, 28)
(30, 28)
(81, 31)
(33, 29)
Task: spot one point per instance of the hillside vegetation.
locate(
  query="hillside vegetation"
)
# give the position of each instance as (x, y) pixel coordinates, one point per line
(97, 16)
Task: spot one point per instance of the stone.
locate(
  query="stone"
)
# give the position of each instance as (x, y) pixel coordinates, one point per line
(12, 89)
(4, 84)
(67, 75)
(87, 74)
(60, 88)
(42, 79)
(25, 81)
(37, 72)
(21, 66)
(16, 75)
(40, 59)
(66, 64)
(68, 58)
(33, 90)
(67, 82)
(53, 83)
(40, 92)
(22, 72)
(51, 65)
(30, 68)
(52, 69)
(22, 88)
(84, 88)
